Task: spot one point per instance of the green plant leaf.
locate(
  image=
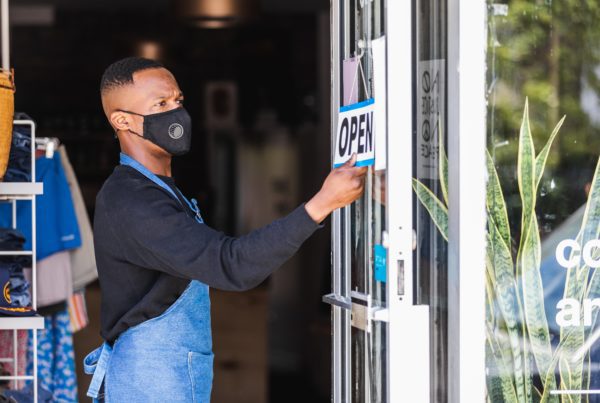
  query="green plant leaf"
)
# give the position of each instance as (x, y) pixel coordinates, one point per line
(506, 294)
(590, 219)
(500, 382)
(495, 203)
(443, 165)
(490, 294)
(591, 226)
(527, 364)
(533, 300)
(526, 179)
(546, 396)
(540, 161)
(436, 209)
(571, 369)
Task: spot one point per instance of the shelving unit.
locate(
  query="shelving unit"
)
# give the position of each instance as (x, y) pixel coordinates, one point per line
(12, 193)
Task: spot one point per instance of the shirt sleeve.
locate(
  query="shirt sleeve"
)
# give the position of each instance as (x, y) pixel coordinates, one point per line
(158, 234)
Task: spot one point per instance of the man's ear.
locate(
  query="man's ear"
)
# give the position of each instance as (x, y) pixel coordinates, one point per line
(120, 120)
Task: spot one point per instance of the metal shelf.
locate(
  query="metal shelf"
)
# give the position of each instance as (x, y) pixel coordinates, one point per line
(21, 322)
(16, 253)
(21, 189)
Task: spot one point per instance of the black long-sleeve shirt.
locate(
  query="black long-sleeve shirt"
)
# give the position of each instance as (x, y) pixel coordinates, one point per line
(149, 246)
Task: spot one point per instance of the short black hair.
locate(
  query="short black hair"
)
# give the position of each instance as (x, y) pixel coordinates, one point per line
(121, 72)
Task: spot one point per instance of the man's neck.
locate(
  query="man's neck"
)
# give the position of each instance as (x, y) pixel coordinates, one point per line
(155, 163)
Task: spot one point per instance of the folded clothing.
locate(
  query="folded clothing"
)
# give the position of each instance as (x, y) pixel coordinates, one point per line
(15, 299)
(11, 239)
(25, 395)
(19, 162)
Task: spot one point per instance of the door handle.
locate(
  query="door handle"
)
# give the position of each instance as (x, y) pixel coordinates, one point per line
(363, 313)
(338, 300)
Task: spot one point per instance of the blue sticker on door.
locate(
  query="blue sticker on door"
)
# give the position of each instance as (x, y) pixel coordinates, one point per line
(380, 263)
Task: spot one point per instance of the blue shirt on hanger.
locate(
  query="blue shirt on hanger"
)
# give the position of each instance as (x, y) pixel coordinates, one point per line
(57, 227)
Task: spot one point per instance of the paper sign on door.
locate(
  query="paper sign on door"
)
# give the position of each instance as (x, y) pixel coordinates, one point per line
(356, 134)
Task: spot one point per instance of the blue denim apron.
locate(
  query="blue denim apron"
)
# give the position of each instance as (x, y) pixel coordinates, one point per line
(164, 359)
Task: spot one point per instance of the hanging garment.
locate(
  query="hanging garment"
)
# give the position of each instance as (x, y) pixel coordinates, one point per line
(57, 227)
(7, 351)
(56, 358)
(54, 279)
(83, 261)
(78, 311)
(7, 110)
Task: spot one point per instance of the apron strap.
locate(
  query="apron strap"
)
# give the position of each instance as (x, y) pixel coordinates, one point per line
(96, 364)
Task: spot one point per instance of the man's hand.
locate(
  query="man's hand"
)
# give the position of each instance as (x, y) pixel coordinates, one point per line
(342, 186)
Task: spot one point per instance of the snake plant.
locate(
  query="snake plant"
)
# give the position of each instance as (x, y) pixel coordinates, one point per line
(522, 364)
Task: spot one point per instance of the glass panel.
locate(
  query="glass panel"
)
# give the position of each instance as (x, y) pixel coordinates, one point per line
(543, 63)
(431, 254)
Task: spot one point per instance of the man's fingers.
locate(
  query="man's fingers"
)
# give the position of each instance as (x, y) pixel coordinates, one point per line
(351, 161)
(359, 171)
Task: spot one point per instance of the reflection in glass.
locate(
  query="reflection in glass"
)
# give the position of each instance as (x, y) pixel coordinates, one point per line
(430, 119)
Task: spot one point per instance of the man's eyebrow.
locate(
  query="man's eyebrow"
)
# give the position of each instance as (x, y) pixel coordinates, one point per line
(157, 97)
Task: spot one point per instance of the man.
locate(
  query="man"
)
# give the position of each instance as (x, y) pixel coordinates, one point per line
(156, 258)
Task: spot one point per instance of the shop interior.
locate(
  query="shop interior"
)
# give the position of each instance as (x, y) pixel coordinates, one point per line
(256, 80)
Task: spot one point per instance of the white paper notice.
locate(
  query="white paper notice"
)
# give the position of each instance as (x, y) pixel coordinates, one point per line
(431, 115)
(356, 133)
(350, 73)
(379, 88)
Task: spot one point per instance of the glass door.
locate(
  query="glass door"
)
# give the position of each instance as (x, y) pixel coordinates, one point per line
(360, 229)
(380, 321)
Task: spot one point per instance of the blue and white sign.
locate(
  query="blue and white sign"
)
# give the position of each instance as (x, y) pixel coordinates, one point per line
(356, 134)
(380, 263)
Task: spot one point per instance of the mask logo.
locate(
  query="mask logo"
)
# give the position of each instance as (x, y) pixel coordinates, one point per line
(175, 131)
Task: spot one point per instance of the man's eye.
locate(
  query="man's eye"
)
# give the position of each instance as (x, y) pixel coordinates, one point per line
(162, 103)
(180, 101)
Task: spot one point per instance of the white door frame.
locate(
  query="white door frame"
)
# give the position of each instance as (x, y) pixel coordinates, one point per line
(408, 372)
(467, 192)
(408, 337)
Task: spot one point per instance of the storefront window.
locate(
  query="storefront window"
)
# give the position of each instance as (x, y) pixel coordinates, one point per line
(543, 65)
(543, 201)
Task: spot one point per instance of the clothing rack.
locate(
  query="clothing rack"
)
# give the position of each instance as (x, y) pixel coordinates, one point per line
(12, 192)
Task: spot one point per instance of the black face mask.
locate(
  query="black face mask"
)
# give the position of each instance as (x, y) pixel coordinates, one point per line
(171, 130)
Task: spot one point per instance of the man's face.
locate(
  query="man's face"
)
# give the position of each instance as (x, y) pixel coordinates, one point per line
(153, 91)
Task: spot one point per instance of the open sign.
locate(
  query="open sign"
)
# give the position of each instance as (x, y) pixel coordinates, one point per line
(355, 134)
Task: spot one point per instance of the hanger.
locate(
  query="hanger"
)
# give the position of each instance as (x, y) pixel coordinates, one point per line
(48, 144)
